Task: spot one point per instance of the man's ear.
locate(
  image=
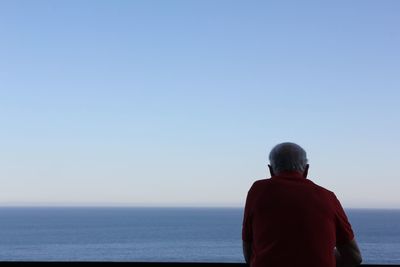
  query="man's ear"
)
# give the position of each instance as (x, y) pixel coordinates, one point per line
(271, 171)
(305, 173)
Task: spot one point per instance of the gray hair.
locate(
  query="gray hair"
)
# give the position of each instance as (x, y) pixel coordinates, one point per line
(288, 157)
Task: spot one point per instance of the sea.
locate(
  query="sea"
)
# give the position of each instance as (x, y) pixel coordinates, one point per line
(160, 234)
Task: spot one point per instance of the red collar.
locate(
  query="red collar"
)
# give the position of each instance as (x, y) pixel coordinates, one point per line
(289, 174)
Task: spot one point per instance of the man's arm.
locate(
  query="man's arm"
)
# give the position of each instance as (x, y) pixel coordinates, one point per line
(247, 251)
(348, 255)
(347, 252)
(247, 231)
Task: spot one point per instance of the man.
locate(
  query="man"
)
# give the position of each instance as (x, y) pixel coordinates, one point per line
(291, 222)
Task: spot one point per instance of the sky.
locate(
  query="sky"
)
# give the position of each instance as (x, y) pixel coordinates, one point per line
(178, 103)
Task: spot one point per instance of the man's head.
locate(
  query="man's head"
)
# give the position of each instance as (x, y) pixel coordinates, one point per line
(288, 157)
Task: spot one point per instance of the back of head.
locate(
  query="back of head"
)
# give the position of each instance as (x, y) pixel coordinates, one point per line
(288, 157)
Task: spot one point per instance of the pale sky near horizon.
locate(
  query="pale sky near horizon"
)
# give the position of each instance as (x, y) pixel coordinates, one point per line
(178, 103)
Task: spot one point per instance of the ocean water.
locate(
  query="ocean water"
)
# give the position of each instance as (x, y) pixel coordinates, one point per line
(160, 234)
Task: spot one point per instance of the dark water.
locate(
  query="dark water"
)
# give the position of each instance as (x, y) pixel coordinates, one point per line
(160, 234)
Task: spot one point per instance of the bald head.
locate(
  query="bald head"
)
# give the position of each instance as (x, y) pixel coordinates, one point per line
(288, 157)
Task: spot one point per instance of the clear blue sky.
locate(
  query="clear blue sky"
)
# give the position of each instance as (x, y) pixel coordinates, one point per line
(177, 103)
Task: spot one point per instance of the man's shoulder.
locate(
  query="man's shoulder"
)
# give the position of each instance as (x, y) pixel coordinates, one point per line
(260, 185)
(322, 189)
(261, 182)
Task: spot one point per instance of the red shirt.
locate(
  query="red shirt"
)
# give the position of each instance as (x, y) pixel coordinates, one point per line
(292, 222)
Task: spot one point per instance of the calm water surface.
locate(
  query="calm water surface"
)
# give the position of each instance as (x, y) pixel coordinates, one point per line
(160, 234)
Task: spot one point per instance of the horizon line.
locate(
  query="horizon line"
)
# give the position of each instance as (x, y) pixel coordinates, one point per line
(158, 206)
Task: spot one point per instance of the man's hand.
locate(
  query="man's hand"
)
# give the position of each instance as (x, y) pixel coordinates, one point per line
(348, 255)
(247, 251)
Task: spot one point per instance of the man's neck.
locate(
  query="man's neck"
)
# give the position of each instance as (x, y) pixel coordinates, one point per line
(295, 174)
